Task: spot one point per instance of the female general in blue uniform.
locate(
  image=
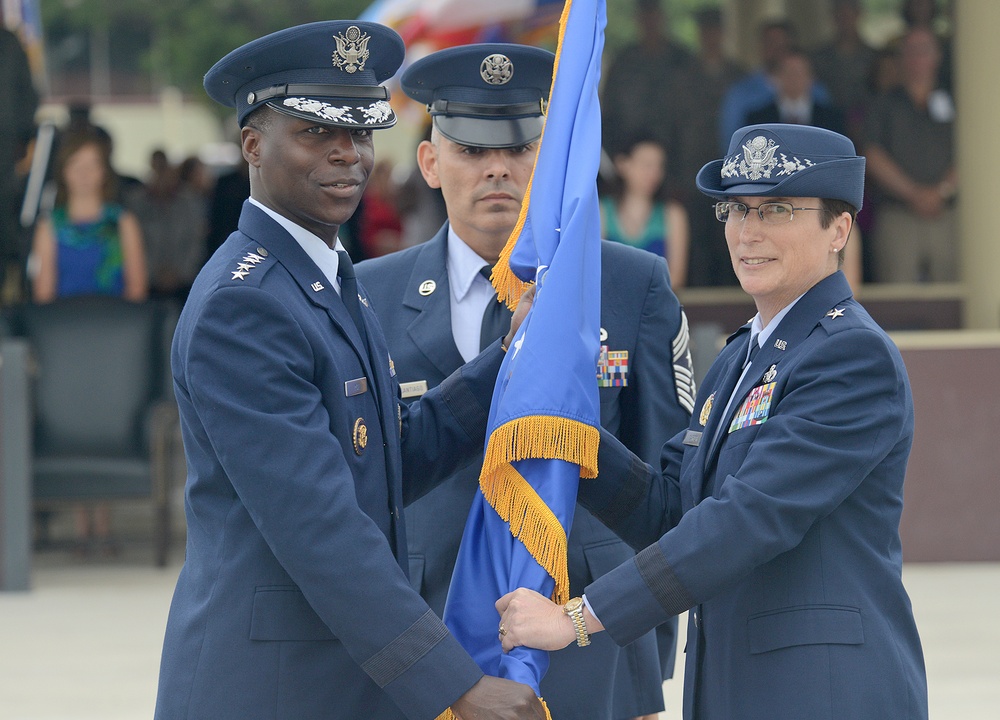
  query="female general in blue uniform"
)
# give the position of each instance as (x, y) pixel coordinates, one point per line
(775, 519)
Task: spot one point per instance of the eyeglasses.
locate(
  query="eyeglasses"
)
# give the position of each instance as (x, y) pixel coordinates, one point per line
(772, 213)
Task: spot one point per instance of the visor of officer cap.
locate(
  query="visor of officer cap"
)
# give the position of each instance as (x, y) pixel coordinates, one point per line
(779, 160)
(485, 95)
(328, 72)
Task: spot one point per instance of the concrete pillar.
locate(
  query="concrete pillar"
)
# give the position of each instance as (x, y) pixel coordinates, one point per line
(15, 467)
(977, 55)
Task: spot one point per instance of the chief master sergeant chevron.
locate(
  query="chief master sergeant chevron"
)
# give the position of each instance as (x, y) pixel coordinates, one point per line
(437, 306)
(294, 602)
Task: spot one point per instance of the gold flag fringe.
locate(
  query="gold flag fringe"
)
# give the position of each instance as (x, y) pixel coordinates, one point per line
(546, 437)
(530, 519)
(449, 715)
(531, 522)
(509, 286)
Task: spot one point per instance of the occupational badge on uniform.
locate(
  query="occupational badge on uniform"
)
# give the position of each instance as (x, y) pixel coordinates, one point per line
(835, 313)
(497, 69)
(706, 410)
(772, 372)
(427, 287)
(352, 50)
(612, 368)
(360, 436)
(755, 408)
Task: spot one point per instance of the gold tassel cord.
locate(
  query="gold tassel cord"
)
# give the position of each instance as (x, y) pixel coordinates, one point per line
(449, 715)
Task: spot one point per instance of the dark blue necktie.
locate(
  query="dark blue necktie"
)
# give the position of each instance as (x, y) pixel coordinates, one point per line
(496, 318)
(754, 349)
(349, 294)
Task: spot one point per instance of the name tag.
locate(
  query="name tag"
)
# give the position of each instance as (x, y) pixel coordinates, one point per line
(413, 389)
(356, 387)
(692, 438)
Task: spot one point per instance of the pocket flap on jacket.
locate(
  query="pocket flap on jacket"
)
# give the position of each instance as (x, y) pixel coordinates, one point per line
(282, 614)
(809, 625)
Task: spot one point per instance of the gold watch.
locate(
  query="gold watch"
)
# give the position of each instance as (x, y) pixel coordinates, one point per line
(574, 608)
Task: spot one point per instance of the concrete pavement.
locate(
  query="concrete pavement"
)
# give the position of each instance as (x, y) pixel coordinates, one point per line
(84, 644)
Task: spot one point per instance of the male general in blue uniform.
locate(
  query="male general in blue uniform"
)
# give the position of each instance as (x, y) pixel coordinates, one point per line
(775, 519)
(294, 602)
(438, 309)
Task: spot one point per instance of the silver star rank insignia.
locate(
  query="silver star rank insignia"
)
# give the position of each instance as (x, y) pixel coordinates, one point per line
(239, 274)
(835, 313)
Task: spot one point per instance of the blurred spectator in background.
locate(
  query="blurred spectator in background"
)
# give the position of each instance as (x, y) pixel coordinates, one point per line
(195, 176)
(928, 15)
(793, 101)
(88, 245)
(380, 227)
(758, 88)
(172, 216)
(708, 81)
(910, 151)
(635, 214)
(17, 125)
(644, 83)
(81, 123)
(231, 189)
(883, 76)
(844, 66)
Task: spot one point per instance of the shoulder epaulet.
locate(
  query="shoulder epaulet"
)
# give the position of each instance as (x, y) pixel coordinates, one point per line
(841, 317)
(247, 267)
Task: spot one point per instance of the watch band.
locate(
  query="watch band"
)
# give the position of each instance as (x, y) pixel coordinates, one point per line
(574, 608)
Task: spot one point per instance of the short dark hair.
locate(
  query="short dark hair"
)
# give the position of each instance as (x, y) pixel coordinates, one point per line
(259, 119)
(833, 209)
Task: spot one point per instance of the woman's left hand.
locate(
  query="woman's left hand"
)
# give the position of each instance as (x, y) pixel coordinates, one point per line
(531, 619)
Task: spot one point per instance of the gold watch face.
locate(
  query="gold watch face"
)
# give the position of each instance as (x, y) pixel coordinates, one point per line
(573, 605)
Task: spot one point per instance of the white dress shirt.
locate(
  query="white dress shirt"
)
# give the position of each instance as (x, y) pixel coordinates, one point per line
(319, 252)
(470, 293)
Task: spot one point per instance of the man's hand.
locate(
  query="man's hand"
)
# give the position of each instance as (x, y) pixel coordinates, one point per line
(531, 619)
(523, 306)
(498, 699)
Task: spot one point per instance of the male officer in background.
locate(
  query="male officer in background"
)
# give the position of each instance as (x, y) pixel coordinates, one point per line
(438, 309)
(293, 602)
